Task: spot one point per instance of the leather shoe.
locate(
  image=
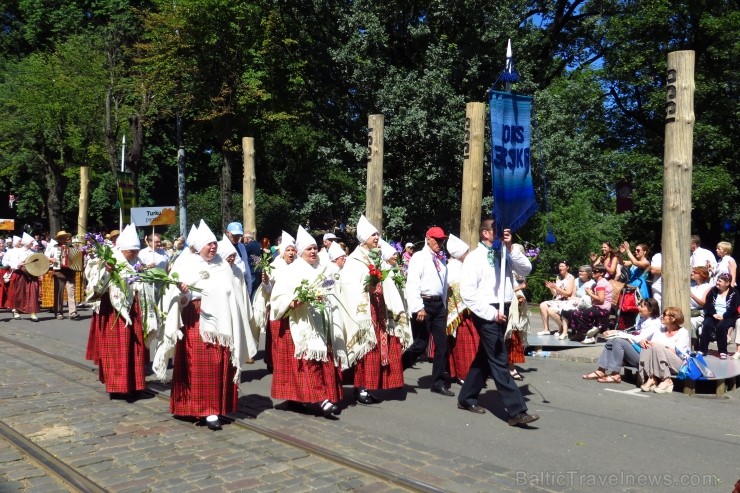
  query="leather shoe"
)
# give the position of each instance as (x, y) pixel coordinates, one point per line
(443, 391)
(473, 408)
(522, 419)
(366, 398)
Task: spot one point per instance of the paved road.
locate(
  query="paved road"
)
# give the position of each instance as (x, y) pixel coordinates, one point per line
(589, 433)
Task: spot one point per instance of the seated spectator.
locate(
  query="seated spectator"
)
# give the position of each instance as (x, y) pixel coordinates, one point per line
(658, 359)
(726, 264)
(580, 300)
(638, 265)
(720, 313)
(698, 293)
(562, 289)
(619, 350)
(608, 259)
(584, 320)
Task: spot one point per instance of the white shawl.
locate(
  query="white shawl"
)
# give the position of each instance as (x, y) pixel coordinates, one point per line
(99, 282)
(224, 320)
(310, 329)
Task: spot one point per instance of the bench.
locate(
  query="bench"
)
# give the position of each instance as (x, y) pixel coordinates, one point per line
(726, 373)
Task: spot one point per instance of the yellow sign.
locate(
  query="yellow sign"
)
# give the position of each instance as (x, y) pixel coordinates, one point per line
(7, 224)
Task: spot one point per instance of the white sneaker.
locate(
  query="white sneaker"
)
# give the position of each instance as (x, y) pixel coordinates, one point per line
(589, 340)
(592, 332)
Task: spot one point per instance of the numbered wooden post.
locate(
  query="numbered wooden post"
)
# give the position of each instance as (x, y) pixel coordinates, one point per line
(84, 200)
(472, 185)
(677, 170)
(374, 197)
(249, 181)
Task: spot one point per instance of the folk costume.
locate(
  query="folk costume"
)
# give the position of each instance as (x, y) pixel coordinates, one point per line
(25, 287)
(463, 338)
(262, 296)
(311, 352)
(64, 277)
(227, 252)
(122, 319)
(6, 291)
(206, 331)
(376, 326)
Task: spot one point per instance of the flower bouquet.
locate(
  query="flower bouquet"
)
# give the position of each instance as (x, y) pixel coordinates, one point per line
(263, 263)
(376, 274)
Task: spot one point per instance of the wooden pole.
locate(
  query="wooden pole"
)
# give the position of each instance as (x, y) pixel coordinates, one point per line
(374, 197)
(248, 187)
(677, 169)
(84, 200)
(472, 185)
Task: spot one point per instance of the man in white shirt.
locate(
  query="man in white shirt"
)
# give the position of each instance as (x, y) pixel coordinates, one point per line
(482, 288)
(328, 239)
(154, 255)
(701, 257)
(426, 292)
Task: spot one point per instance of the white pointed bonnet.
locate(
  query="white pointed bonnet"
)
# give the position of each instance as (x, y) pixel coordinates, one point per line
(286, 241)
(364, 229)
(456, 246)
(336, 251)
(303, 240)
(128, 239)
(386, 250)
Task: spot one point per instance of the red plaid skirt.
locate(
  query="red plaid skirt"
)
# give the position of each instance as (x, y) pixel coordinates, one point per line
(515, 349)
(203, 376)
(371, 375)
(121, 353)
(25, 293)
(92, 353)
(463, 348)
(298, 379)
(4, 289)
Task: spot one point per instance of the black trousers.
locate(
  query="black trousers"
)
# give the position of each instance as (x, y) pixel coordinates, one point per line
(492, 359)
(435, 323)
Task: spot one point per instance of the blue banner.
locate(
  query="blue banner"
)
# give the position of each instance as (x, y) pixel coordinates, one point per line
(513, 194)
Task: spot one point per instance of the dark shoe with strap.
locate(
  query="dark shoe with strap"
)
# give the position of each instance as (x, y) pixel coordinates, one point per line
(443, 391)
(365, 397)
(473, 408)
(523, 419)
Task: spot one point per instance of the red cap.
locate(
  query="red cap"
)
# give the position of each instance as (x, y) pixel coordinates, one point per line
(436, 232)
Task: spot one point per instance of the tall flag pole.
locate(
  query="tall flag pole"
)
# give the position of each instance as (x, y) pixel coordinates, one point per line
(513, 193)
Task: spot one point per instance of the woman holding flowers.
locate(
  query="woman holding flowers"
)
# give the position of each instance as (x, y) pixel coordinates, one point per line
(270, 273)
(206, 331)
(123, 315)
(376, 326)
(308, 363)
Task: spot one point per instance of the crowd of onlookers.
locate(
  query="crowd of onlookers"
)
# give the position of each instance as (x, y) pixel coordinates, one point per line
(619, 281)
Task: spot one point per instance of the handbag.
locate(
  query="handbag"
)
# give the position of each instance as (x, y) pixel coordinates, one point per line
(694, 367)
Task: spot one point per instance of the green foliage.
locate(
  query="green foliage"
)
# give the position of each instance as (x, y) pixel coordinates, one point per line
(580, 227)
(302, 78)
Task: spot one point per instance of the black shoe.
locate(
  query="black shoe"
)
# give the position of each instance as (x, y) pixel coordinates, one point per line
(473, 408)
(522, 419)
(328, 408)
(213, 424)
(365, 398)
(443, 391)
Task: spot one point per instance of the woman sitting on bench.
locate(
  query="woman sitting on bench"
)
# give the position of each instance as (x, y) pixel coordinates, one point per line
(601, 304)
(620, 348)
(658, 360)
(720, 314)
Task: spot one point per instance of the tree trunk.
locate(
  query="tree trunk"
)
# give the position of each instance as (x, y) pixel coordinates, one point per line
(225, 188)
(55, 184)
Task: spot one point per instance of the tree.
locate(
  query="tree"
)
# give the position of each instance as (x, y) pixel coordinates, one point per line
(50, 125)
